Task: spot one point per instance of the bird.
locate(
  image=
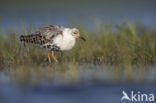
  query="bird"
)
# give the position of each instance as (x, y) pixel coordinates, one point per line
(53, 38)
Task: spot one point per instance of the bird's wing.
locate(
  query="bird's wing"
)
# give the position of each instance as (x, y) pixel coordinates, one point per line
(43, 35)
(50, 32)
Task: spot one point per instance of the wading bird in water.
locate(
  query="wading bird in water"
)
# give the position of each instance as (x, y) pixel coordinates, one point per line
(53, 39)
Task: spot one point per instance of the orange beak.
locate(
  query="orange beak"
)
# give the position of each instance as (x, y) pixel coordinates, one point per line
(79, 36)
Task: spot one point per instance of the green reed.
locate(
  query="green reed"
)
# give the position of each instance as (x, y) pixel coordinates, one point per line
(126, 44)
(111, 52)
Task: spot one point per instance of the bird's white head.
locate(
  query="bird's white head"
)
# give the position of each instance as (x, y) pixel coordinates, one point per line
(76, 34)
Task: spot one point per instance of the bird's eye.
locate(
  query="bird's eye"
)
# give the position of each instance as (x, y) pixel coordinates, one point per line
(75, 33)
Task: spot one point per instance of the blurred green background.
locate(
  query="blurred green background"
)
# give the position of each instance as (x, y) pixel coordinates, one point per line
(39, 12)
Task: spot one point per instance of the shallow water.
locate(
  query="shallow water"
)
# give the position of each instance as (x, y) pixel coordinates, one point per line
(100, 93)
(68, 83)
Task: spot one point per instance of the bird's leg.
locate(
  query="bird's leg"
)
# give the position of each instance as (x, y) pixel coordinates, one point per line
(49, 57)
(53, 56)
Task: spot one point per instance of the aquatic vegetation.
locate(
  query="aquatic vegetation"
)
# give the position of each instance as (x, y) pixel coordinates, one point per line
(114, 50)
(127, 45)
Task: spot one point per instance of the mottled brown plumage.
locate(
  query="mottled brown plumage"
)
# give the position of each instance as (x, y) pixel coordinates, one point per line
(35, 39)
(43, 35)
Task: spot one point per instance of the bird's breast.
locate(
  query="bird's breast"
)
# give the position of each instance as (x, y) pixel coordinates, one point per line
(64, 44)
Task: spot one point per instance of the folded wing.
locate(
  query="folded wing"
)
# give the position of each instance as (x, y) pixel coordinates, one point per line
(43, 35)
